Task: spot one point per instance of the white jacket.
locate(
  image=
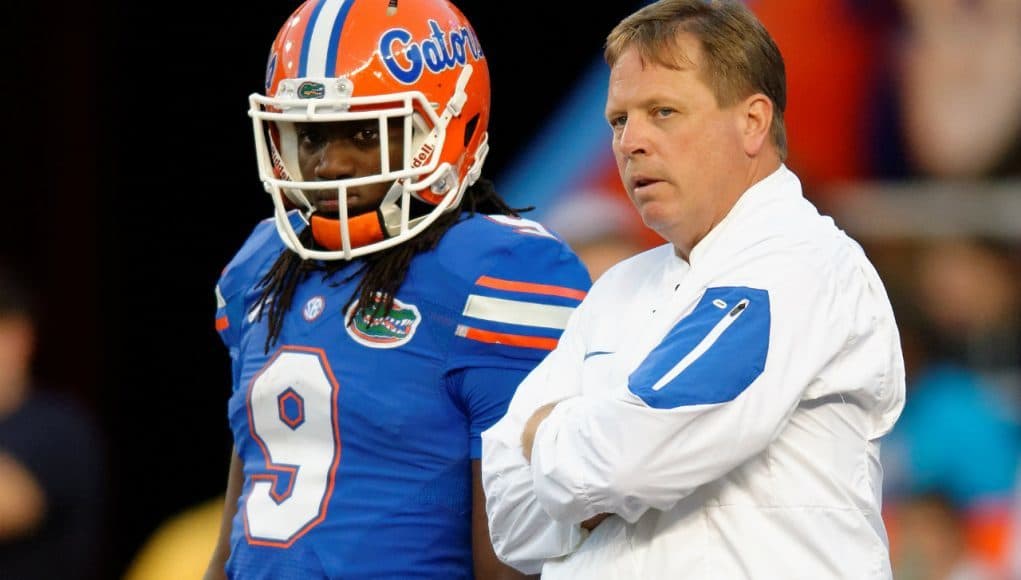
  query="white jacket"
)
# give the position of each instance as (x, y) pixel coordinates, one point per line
(728, 412)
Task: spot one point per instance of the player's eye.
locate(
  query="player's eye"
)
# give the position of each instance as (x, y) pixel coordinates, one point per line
(310, 136)
(367, 135)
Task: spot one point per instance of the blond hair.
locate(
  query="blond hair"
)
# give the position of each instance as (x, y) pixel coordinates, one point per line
(739, 56)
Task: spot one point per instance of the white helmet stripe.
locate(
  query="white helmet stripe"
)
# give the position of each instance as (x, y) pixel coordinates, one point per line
(319, 53)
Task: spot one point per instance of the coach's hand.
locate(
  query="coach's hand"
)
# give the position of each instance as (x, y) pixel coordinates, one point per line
(531, 426)
(591, 523)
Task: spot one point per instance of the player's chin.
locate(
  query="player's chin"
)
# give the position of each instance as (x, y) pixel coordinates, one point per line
(351, 212)
(354, 210)
(358, 203)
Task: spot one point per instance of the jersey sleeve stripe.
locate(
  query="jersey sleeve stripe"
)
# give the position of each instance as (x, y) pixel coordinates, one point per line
(517, 312)
(506, 338)
(529, 287)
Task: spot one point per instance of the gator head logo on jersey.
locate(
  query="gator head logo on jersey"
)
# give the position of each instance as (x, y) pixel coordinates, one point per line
(393, 330)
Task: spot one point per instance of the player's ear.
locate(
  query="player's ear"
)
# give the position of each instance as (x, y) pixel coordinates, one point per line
(755, 120)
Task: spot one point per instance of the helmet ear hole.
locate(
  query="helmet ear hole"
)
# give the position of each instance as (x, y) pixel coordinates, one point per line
(469, 129)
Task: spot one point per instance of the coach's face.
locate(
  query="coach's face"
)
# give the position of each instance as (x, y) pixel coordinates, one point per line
(680, 155)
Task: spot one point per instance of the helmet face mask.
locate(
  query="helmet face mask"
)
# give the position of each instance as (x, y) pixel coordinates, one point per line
(417, 67)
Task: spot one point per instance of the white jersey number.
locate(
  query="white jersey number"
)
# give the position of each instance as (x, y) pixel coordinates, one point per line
(292, 414)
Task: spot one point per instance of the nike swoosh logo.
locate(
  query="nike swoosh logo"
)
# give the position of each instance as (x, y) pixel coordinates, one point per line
(589, 355)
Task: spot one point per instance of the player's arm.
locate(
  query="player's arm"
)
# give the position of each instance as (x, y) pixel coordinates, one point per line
(22, 500)
(487, 565)
(485, 393)
(235, 480)
(258, 251)
(523, 534)
(522, 297)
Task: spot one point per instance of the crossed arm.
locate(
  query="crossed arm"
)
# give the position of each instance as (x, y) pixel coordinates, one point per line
(528, 438)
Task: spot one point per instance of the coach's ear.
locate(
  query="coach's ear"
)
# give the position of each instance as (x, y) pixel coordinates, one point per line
(755, 118)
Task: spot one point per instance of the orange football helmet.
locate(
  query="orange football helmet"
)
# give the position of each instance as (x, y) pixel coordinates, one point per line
(414, 61)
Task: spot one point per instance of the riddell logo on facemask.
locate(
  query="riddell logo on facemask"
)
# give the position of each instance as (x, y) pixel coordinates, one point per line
(423, 155)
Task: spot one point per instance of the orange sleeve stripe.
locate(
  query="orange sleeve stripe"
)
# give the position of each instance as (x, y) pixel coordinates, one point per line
(529, 287)
(222, 324)
(508, 339)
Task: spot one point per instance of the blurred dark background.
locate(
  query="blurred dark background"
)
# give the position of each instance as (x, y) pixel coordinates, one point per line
(132, 182)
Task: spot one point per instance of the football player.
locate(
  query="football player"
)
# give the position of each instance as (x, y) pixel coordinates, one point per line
(381, 319)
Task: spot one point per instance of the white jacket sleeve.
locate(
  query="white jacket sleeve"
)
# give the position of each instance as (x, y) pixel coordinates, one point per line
(523, 534)
(716, 390)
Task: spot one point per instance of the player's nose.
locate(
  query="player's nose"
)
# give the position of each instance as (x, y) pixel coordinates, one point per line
(337, 160)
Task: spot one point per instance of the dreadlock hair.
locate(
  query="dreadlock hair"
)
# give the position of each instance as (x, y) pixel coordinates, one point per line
(382, 273)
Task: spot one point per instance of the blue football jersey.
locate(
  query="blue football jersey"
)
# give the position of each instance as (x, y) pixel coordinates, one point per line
(357, 439)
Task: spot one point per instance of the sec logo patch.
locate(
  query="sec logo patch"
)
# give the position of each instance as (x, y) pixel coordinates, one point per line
(313, 308)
